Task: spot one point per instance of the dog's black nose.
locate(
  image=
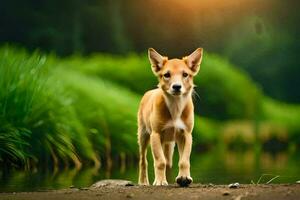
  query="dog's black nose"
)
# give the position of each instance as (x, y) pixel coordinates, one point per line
(176, 87)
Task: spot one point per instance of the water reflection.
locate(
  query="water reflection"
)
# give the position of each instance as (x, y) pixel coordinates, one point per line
(222, 167)
(218, 166)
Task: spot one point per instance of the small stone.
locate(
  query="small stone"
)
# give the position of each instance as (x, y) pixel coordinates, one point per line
(234, 185)
(298, 182)
(72, 186)
(211, 185)
(111, 183)
(129, 184)
(226, 193)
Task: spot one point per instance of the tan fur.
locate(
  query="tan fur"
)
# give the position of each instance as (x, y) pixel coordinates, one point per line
(166, 117)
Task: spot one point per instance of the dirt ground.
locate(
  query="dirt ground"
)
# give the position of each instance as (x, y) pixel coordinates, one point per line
(195, 191)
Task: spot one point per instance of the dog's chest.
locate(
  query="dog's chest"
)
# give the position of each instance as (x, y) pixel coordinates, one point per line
(175, 108)
(176, 124)
(171, 128)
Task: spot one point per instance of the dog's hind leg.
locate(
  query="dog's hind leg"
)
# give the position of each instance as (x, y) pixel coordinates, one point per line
(168, 152)
(143, 140)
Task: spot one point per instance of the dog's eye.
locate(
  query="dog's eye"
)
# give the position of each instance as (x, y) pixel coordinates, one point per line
(185, 74)
(167, 75)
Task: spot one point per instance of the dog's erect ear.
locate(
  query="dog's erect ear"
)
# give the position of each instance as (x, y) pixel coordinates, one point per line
(157, 61)
(193, 61)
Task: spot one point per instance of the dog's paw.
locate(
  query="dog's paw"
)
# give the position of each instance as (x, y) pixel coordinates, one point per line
(184, 181)
(160, 183)
(143, 181)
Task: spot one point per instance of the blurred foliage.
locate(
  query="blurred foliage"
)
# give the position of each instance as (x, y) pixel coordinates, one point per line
(260, 37)
(269, 54)
(283, 114)
(76, 110)
(217, 93)
(64, 26)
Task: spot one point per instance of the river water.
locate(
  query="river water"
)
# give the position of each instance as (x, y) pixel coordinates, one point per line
(215, 166)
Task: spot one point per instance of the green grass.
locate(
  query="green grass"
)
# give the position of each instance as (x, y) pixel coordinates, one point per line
(74, 111)
(107, 110)
(35, 115)
(51, 119)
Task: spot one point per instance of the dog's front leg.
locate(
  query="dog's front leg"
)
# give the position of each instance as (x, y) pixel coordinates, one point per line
(184, 143)
(159, 159)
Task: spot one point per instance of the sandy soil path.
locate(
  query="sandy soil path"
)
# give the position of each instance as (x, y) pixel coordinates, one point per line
(195, 191)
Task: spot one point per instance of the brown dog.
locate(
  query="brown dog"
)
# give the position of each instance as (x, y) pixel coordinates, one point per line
(166, 115)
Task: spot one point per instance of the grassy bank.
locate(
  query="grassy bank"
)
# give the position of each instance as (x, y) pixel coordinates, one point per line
(77, 110)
